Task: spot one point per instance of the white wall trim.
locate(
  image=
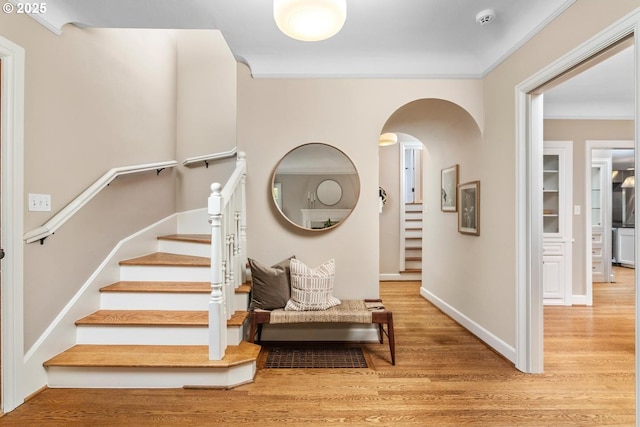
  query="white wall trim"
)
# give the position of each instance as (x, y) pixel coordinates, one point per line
(529, 351)
(580, 300)
(12, 123)
(485, 335)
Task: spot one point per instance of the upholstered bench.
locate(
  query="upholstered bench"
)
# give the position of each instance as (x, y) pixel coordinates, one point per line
(349, 311)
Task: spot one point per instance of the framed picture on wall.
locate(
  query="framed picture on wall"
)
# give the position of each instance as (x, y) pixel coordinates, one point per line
(469, 212)
(448, 185)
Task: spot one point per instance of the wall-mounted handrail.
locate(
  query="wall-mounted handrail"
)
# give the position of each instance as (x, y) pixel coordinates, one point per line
(191, 161)
(63, 215)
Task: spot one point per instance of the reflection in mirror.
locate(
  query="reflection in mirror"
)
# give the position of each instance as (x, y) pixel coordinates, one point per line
(315, 186)
(329, 192)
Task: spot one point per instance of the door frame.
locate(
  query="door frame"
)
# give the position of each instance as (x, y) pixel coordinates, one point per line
(591, 145)
(528, 148)
(12, 162)
(405, 146)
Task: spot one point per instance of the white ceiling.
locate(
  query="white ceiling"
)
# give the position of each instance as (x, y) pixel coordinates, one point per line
(381, 38)
(605, 91)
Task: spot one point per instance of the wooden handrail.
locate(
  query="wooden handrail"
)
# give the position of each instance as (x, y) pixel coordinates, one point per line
(64, 214)
(209, 157)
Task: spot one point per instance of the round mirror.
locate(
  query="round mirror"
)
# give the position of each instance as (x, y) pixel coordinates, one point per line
(315, 186)
(329, 192)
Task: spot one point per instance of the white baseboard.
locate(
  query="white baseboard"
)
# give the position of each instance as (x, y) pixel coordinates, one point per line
(579, 300)
(491, 340)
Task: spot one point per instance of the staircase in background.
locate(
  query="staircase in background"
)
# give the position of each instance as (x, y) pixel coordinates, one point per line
(152, 329)
(413, 238)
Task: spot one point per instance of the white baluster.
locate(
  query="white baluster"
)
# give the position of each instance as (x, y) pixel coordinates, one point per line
(217, 312)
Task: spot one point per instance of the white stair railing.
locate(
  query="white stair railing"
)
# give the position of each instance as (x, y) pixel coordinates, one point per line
(227, 213)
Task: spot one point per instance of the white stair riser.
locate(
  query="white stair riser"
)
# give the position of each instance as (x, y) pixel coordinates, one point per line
(161, 273)
(241, 302)
(90, 377)
(413, 252)
(413, 208)
(413, 233)
(413, 265)
(151, 335)
(164, 301)
(413, 215)
(184, 248)
(153, 301)
(413, 244)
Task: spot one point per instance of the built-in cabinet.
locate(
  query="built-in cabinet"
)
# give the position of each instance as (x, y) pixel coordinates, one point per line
(601, 220)
(626, 247)
(557, 200)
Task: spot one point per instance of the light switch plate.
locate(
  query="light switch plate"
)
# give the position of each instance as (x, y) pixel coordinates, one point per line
(576, 210)
(39, 202)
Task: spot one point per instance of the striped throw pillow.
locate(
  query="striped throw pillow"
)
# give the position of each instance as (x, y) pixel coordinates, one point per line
(312, 288)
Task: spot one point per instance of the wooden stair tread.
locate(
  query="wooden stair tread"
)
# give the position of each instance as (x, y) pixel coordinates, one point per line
(412, 270)
(168, 260)
(168, 287)
(192, 238)
(159, 287)
(153, 356)
(245, 288)
(413, 258)
(156, 318)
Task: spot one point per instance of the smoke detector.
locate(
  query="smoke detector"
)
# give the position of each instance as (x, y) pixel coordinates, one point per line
(485, 16)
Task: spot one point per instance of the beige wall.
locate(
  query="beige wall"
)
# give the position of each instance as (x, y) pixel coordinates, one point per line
(580, 131)
(278, 115)
(206, 108)
(389, 219)
(94, 99)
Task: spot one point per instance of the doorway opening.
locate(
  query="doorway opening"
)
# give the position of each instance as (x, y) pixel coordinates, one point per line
(411, 209)
(529, 130)
(11, 191)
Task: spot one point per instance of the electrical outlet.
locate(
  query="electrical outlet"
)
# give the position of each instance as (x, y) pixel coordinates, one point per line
(39, 202)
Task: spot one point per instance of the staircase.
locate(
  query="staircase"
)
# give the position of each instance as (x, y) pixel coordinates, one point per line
(413, 238)
(152, 327)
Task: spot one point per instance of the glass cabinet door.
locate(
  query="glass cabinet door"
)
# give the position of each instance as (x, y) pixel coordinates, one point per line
(550, 194)
(596, 196)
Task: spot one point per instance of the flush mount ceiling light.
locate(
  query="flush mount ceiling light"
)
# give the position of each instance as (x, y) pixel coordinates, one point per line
(387, 139)
(310, 20)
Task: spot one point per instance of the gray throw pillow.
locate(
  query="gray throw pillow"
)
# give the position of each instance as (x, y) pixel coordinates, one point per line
(270, 286)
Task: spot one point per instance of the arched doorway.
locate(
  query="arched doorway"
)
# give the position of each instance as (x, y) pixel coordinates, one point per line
(448, 135)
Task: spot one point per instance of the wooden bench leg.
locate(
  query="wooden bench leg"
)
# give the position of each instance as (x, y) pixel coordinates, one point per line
(252, 329)
(392, 340)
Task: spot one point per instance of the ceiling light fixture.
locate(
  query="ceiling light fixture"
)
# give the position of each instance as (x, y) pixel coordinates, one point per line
(310, 20)
(389, 138)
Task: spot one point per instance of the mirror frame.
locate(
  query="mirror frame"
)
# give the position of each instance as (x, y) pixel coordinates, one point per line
(299, 226)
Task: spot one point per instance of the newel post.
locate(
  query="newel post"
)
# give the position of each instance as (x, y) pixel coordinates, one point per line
(217, 315)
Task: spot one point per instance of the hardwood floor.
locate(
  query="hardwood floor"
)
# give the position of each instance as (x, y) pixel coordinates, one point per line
(444, 377)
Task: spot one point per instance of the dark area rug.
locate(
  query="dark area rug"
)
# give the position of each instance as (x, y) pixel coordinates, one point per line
(315, 357)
